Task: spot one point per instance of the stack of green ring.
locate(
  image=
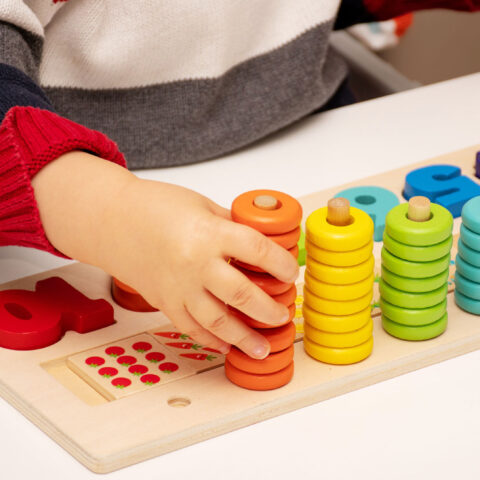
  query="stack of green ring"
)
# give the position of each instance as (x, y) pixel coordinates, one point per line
(467, 276)
(415, 270)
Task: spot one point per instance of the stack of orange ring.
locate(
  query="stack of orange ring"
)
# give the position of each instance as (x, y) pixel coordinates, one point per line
(338, 287)
(129, 298)
(278, 216)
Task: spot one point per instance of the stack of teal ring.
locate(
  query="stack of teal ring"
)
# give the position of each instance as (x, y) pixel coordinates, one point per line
(467, 276)
(415, 271)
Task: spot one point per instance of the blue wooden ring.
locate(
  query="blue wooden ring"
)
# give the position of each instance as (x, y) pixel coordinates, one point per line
(467, 270)
(467, 287)
(468, 304)
(471, 214)
(468, 254)
(470, 238)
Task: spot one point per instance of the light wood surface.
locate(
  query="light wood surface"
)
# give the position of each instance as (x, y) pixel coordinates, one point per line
(338, 211)
(419, 209)
(107, 435)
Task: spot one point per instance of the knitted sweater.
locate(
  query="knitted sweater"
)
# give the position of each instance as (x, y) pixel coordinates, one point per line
(171, 81)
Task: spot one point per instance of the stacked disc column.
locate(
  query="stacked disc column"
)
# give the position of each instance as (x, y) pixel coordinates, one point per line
(338, 284)
(467, 276)
(278, 216)
(415, 269)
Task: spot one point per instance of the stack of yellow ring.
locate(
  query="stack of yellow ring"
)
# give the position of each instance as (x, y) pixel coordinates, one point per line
(338, 287)
(415, 270)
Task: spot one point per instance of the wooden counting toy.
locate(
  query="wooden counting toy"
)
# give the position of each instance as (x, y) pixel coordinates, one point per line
(278, 216)
(415, 270)
(338, 284)
(467, 276)
(81, 344)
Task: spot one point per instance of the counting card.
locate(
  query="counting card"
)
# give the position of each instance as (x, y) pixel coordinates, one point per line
(129, 366)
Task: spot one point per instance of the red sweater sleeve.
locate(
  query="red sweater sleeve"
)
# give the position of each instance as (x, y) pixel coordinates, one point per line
(386, 9)
(30, 138)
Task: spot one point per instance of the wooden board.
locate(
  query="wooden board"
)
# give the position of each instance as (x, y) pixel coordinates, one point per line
(106, 433)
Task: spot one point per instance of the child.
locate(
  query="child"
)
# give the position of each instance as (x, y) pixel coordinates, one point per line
(172, 82)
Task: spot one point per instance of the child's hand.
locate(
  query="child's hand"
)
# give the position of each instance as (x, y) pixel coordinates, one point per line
(167, 242)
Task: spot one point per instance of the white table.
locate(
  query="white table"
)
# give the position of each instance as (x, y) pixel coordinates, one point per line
(423, 425)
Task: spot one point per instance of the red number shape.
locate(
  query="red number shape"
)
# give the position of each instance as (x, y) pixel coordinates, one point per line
(31, 320)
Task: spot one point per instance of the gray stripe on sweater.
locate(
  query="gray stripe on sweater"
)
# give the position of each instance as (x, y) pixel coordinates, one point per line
(20, 49)
(189, 121)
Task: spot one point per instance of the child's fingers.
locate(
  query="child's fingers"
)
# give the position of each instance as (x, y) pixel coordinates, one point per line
(232, 287)
(220, 211)
(249, 246)
(215, 317)
(187, 324)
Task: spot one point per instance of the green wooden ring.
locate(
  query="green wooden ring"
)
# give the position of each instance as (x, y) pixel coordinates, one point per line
(420, 234)
(417, 254)
(411, 316)
(470, 238)
(411, 333)
(409, 269)
(410, 299)
(471, 214)
(467, 304)
(467, 270)
(467, 287)
(468, 254)
(415, 284)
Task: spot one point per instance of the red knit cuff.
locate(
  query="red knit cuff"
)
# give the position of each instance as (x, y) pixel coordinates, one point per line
(386, 9)
(30, 138)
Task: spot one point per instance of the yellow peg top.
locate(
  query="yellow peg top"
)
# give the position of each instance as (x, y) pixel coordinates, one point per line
(419, 209)
(338, 211)
(265, 202)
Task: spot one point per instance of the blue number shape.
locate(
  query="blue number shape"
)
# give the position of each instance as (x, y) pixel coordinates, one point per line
(442, 184)
(376, 201)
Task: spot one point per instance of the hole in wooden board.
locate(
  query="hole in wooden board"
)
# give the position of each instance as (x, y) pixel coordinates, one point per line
(179, 402)
(18, 311)
(365, 199)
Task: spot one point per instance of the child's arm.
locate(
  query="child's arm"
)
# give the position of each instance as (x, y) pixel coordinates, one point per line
(167, 242)
(361, 11)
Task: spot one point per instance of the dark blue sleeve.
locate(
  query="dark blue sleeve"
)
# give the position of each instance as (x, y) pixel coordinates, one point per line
(17, 89)
(352, 12)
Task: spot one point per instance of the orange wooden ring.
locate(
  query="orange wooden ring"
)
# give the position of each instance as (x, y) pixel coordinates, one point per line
(253, 268)
(280, 338)
(266, 282)
(286, 217)
(256, 324)
(288, 297)
(287, 240)
(257, 381)
(271, 364)
(129, 298)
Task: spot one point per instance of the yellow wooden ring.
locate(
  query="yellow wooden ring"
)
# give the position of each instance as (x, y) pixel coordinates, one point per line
(336, 323)
(339, 292)
(333, 307)
(340, 275)
(339, 238)
(339, 340)
(339, 356)
(339, 259)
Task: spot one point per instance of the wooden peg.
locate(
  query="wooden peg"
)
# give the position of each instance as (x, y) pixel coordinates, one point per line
(419, 209)
(338, 211)
(265, 202)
